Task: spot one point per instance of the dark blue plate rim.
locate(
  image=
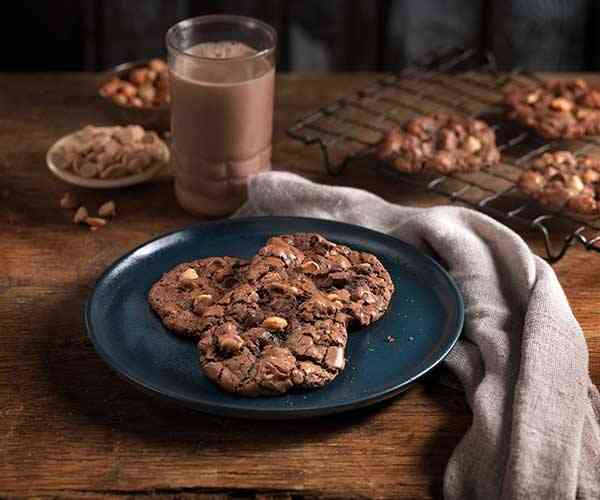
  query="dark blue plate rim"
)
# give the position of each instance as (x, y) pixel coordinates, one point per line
(234, 410)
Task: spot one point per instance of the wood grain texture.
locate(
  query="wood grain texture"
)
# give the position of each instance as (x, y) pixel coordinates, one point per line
(70, 427)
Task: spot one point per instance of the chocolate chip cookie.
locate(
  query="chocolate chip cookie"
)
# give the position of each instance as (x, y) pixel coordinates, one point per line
(440, 143)
(190, 288)
(560, 179)
(557, 109)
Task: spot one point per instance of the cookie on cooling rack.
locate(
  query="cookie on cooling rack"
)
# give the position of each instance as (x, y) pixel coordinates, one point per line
(561, 179)
(557, 109)
(440, 143)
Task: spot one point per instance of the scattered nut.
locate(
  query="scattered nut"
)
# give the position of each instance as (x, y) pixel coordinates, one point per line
(275, 323)
(107, 209)
(69, 201)
(95, 221)
(81, 215)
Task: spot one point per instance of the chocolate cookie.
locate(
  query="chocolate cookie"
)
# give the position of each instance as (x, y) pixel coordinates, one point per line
(278, 323)
(440, 143)
(275, 339)
(190, 287)
(558, 109)
(355, 279)
(560, 179)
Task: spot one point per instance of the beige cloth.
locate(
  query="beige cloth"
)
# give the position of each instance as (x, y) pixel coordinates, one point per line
(522, 360)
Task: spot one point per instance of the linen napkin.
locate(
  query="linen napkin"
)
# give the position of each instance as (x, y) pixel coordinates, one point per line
(522, 359)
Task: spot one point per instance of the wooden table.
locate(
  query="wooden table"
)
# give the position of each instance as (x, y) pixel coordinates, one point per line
(70, 427)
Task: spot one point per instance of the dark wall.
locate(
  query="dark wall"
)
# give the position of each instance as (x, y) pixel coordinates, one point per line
(314, 34)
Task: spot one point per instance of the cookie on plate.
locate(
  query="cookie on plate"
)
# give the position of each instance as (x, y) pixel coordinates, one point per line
(285, 328)
(278, 336)
(557, 109)
(561, 179)
(189, 287)
(279, 322)
(357, 279)
(441, 143)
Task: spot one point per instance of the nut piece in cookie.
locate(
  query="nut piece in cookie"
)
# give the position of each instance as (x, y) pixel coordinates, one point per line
(441, 143)
(557, 109)
(560, 179)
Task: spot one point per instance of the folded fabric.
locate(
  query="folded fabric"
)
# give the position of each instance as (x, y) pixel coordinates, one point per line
(522, 359)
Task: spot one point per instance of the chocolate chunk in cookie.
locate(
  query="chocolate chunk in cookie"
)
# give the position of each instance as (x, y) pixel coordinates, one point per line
(558, 109)
(440, 143)
(185, 298)
(560, 179)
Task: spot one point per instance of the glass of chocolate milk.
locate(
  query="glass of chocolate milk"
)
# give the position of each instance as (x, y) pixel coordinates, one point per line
(222, 71)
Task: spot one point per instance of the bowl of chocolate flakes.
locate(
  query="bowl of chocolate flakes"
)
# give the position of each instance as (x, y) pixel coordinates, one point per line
(138, 93)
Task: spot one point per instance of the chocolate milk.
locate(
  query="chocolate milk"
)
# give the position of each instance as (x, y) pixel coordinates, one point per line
(222, 123)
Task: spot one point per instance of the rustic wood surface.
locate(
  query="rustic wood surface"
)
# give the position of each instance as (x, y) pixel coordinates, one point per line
(70, 427)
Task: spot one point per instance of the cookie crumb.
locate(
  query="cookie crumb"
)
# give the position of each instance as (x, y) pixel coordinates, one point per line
(81, 215)
(95, 221)
(69, 201)
(107, 209)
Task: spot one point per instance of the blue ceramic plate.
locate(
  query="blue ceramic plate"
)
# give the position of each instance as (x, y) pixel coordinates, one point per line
(424, 321)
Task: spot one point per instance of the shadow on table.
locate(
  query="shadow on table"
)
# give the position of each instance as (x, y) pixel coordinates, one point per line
(88, 387)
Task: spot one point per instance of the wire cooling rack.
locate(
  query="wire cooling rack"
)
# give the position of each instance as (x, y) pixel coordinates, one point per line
(458, 81)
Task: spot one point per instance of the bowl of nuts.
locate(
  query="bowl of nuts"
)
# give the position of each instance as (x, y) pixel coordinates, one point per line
(138, 93)
(108, 157)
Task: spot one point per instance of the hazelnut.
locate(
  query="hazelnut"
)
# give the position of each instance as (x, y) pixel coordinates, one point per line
(107, 209)
(139, 76)
(136, 102)
(188, 277)
(81, 215)
(230, 343)
(310, 267)
(110, 88)
(95, 221)
(128, 89)
(147, 93)
(201, 302)
(561, 104)
(69, 201)
(158, 65)
(473, 144)
(151, 75)
(275, 323)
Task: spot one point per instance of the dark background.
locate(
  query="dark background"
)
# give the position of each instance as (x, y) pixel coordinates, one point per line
(315, 35)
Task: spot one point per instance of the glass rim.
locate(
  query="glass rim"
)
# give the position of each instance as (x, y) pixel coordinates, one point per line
(225, 18)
